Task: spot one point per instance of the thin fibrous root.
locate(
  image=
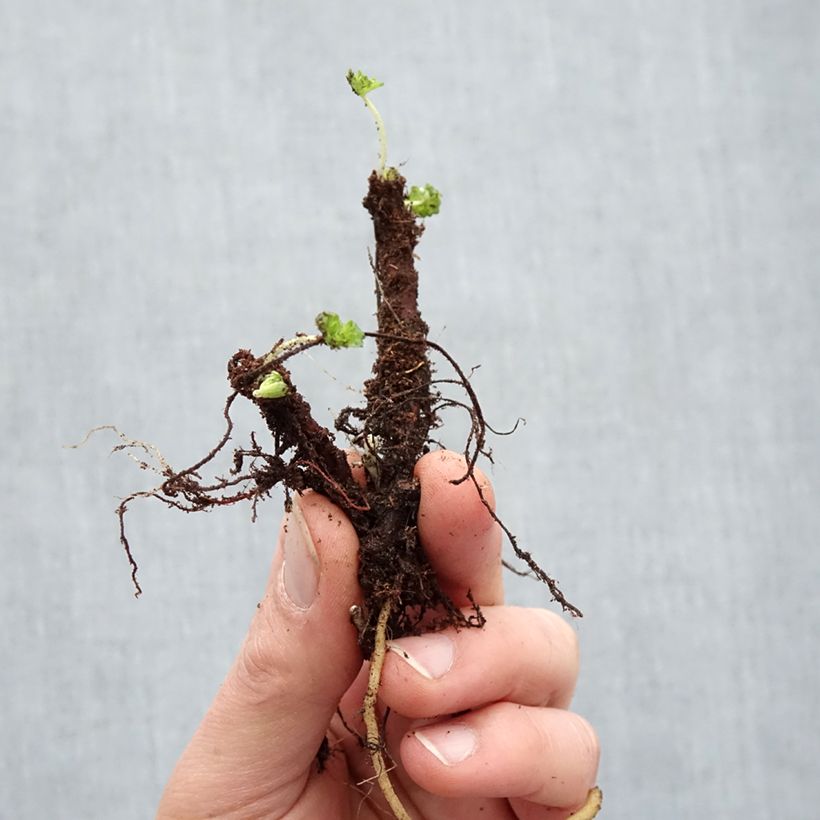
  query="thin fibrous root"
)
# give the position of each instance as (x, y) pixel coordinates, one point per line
(371, 721)
(591, 808)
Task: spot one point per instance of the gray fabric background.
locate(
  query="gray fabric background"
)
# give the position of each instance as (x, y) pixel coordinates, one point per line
(628, 246)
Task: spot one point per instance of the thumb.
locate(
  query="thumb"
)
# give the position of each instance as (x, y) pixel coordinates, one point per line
(258, 741)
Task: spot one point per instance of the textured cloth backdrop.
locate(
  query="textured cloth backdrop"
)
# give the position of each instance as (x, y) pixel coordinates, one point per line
(628, 246)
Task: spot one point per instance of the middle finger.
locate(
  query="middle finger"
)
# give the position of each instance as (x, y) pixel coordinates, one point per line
(524, 656)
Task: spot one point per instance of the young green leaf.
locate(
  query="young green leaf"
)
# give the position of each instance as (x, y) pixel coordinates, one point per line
(361, 83)
(425, 201)
(272, 387)
(337, 333)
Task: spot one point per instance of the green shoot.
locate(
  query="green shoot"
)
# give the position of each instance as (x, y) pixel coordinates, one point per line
(362, 85)
(424, 201)
(332, 331)
(336, 333)
(272, 387)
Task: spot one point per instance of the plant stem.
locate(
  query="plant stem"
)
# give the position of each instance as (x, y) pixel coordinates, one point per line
(291, 347)
(371, 721)
(382, 132)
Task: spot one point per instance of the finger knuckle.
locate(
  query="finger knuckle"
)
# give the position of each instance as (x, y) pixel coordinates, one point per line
(559, 634)
(259, 669)
(587, 738)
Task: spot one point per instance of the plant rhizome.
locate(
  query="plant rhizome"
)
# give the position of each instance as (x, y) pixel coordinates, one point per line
(401, 594)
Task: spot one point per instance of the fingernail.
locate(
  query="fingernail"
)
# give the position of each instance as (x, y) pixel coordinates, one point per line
(430, 655)
(451, 743)
(300, 573)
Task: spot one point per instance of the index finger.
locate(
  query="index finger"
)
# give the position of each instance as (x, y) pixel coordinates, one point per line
(460, 538)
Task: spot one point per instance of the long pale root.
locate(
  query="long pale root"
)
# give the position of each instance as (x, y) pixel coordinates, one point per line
(371, 721)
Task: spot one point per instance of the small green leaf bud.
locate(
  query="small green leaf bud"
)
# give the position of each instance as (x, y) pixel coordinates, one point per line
(424, 201)
(272, 387)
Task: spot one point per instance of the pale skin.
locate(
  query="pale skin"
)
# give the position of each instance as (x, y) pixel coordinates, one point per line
(479, 725)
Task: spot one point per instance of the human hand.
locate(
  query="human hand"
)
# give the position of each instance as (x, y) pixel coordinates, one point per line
(478, 725)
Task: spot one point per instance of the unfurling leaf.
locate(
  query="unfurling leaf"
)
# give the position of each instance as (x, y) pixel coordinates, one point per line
(337, 333)
(361, 83)
(425, 201)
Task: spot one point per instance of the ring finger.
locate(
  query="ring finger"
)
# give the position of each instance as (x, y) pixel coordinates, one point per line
(490, 753)
(526, 656)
